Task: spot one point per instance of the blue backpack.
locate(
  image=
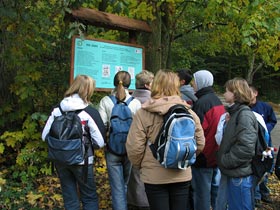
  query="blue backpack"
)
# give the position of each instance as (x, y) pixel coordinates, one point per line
(175, 146)
(120, 122)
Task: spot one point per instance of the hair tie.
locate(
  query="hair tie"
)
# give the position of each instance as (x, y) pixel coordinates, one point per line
(120, 82)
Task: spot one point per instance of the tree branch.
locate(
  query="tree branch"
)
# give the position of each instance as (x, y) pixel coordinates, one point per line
(196, 27)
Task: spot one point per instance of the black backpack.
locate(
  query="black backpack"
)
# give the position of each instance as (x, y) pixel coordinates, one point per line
(68, 139)
(175, 146)
(261, 165)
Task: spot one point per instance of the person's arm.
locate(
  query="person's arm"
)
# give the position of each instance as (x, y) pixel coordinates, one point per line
(246, 135)
(49, 122)
(104, 110)
(199, 133)
(97, 119)
(95, 134)
(136, 140)
(271, 119)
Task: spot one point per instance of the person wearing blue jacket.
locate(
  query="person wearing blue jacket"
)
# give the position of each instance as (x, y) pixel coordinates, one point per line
(262, 191)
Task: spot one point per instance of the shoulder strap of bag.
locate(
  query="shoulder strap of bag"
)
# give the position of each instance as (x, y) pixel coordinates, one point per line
(115, 100)
(60, 109)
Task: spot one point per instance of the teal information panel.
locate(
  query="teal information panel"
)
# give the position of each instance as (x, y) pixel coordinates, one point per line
(102, 60)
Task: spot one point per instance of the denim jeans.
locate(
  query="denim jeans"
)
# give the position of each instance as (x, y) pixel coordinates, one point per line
(119, 169)
(205, 184)
(172, 196)
(240, 193)
(73, 186)
(221, 201)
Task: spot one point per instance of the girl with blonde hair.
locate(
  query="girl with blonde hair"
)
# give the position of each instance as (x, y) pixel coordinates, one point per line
(166, 189)
(74, 187)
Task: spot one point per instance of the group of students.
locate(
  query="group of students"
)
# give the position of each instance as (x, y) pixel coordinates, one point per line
(137, 179)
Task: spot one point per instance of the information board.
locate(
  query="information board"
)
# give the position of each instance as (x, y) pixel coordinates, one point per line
(103, 59)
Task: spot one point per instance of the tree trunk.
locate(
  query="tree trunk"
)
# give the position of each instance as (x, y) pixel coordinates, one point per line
(158, 42)
(252, 69)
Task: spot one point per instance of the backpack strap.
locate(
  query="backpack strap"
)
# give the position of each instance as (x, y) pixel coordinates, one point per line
(77, 111)
(129, 100)
(115, 100)
(60, 109)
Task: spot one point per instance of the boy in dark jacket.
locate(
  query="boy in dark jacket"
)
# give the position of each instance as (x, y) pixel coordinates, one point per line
(262, 191)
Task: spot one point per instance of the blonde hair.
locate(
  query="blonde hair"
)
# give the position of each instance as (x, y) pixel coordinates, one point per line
(165, 83)
(240, 89)
(122, 81)
(145, 77)
(84, 86)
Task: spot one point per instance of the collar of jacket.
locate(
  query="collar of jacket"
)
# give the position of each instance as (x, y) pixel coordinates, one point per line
(236, 107)
(204, 91)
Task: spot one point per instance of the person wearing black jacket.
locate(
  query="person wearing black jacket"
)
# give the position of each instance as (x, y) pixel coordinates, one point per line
(205, 173)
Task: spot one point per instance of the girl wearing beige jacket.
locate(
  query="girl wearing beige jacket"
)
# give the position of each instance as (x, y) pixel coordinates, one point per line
(166, 189)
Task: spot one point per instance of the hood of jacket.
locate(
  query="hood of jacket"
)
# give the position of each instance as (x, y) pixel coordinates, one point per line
(203, 78)
(187, 88)
(162, 105)
(73, 102)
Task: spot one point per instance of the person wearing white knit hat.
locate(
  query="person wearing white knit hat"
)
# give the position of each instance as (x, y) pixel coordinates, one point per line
(205, 173)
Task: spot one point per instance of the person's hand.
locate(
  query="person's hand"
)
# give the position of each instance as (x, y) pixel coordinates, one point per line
(227, 117)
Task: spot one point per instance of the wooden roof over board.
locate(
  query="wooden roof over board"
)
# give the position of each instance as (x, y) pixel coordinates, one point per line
(111, 21)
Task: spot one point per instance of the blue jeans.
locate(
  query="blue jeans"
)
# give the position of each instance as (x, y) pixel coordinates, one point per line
(172, 196)
(240, 193)
(221, 202)
(73, 184)
(205, 184)
(119, 169)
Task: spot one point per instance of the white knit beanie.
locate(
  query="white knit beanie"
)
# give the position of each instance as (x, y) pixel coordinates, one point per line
(203, 78)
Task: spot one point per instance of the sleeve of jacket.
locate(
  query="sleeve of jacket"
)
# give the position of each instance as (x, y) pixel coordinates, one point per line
(243, 149)
(49, 122)
(199, 134)
(95, 134)
(271, 119)
(136, 140)
(134, 106)
(97, 118)
(105, 110)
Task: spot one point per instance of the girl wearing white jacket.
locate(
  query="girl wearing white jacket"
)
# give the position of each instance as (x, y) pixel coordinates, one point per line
(77, 97)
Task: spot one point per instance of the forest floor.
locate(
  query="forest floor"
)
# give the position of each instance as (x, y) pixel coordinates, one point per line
(274, 186)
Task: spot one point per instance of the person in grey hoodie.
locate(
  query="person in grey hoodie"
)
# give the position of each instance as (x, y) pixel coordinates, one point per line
(187, 91)
(74, 187)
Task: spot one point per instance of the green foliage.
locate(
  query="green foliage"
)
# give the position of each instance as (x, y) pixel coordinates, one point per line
(222, 36)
